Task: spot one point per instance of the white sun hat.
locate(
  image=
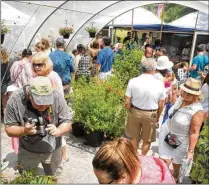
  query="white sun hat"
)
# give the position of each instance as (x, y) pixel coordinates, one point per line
(164, 63)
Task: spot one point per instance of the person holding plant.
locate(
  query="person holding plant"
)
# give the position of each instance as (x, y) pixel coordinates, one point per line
(117, 162)
(144, 100)
(179, 136)
(105, 59)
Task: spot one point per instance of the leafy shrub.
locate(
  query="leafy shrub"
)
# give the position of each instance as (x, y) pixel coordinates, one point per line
(99, 105)
(30, 177)
(127, 66)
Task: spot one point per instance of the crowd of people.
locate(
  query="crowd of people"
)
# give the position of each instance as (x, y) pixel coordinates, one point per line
(36, 114)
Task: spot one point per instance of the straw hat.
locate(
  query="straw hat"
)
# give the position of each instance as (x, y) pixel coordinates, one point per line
(164, 63)
(192, 86)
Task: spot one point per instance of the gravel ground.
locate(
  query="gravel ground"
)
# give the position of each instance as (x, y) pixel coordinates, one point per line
(77, 170)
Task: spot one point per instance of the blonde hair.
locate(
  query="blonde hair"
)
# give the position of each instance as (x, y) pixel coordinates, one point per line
(4, 56)
(117, 158)
(43, 58)
(45, 43)
(40, 46)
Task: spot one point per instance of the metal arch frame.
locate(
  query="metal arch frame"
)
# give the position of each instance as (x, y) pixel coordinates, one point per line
(23, 30)
(116, 16)
(44, 22)
(120, 15)
(105, 24)
(90, 19)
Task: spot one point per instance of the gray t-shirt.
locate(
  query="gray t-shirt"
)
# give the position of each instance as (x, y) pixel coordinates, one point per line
(15, 113)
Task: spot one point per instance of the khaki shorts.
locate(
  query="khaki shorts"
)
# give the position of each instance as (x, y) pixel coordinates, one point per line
(141, 125)
(51, 162)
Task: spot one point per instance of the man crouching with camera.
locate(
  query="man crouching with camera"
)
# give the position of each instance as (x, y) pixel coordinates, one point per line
(39, 116)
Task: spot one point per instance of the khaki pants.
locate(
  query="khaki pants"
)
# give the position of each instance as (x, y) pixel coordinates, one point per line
(51, 162)
(141, 125)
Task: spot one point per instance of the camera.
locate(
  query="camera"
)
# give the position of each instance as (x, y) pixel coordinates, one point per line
(40, 123)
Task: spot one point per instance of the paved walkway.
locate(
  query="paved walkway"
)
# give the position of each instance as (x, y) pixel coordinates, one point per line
(79, 167)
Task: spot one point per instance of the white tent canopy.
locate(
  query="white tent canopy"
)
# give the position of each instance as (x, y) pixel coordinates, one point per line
(189, 21)
(141, 17)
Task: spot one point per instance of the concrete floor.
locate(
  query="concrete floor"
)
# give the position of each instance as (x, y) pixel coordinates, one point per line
(79, 167)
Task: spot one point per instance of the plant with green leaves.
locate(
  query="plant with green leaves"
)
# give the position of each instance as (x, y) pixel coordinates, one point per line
(30, 177)
(4, 28)
(127, 66)
(66, 30)
(99, 105)
(91, 29)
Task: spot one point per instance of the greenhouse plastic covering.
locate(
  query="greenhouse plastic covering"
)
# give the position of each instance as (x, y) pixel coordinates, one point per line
(31, 20)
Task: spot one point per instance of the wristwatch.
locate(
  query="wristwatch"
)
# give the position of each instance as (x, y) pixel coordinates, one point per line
(191, 151)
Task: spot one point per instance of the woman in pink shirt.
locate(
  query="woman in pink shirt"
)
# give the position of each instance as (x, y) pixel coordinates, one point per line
(117, 162)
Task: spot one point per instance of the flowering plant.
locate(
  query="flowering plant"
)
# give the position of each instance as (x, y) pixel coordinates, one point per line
(66, 30)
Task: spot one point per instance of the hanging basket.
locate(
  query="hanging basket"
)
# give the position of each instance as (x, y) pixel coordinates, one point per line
(92, 35)
(2, 38)
(66, 36)
(95, 138)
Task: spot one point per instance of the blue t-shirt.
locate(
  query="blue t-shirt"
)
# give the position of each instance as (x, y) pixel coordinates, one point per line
(201, 61)
(63, 65)
(106, 59)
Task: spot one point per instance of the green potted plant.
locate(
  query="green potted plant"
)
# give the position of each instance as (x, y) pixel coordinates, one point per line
(100, 107)
(66, 31)
(4, 30)
(92, 31)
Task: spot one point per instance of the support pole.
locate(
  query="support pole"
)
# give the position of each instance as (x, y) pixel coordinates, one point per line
(161, 26)
(132, 22)
(194, 41)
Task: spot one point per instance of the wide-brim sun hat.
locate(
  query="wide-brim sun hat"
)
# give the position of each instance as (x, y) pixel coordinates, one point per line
(164, 63)
(192, 86)
(41, 90)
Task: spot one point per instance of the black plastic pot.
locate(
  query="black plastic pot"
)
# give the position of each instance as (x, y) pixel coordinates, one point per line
(78, 129)
(95, 138)
(2, 38)
(92, 35)
(66, 36)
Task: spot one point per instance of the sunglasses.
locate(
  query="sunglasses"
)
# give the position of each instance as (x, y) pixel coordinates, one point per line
(38, 65)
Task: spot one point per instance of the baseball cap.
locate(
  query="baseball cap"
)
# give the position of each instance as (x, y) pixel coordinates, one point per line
(60, 41)
(41, 90)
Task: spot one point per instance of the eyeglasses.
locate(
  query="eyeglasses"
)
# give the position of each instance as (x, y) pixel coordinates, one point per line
(38, 65)
(173, 113)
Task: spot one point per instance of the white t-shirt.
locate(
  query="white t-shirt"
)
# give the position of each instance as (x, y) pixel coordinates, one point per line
(146, 91)
(205, 93)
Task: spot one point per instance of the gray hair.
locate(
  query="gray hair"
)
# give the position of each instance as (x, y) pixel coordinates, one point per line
(148, 65)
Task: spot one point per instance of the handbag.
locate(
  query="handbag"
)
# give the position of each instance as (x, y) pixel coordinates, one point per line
(172, 139)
